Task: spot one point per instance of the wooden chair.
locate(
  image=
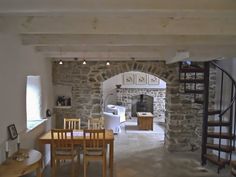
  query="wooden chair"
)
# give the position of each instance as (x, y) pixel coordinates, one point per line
(94, 148)
(96, 123)
(63, 148)
(72, 123)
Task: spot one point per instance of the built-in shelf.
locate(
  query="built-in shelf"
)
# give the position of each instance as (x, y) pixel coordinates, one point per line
(62, 107)
(62, 96)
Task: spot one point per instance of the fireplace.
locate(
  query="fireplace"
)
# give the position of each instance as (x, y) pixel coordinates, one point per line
(130, 96)
(141, 103)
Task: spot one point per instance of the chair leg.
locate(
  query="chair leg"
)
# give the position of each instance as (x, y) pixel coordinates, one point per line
(85, 168)
(54, 166)
(104, 165)
(72, 168)
(78, 159)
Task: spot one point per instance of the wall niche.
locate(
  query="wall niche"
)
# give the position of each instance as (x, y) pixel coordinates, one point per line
(62, 96)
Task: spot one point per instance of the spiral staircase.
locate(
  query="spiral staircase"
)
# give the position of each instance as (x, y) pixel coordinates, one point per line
(218, 125)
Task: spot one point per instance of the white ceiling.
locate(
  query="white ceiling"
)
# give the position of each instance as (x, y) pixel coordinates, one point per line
(167, 30)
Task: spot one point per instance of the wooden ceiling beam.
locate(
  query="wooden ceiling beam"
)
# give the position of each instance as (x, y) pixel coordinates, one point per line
(125, 40)
(53, 6)
(167, 53)
(134, 25)
(107, 49)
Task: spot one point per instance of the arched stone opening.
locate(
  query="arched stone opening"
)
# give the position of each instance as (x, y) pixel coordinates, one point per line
(126, 90)
(183, 118)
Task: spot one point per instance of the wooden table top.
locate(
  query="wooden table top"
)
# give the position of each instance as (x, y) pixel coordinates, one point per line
(144, 114)
(28, 160)
(77, 135)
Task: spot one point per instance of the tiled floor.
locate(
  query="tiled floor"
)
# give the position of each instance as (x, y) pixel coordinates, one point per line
(143, 155)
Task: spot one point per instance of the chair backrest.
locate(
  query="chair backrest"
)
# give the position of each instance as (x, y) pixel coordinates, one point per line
(94, 140)
(72, 123)
(96, 123)
(62, 139)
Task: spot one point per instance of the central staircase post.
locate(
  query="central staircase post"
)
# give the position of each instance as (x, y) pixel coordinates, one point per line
(205, 111)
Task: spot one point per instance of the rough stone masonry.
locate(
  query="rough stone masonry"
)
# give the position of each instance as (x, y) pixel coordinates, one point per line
(183, 117)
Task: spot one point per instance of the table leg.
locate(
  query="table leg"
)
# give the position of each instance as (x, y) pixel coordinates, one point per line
(38, 172)
(111, 158)
(51, 158)
(42, 161)
(42, 150)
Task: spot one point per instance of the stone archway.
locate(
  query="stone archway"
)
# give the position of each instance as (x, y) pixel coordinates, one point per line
(183, 118)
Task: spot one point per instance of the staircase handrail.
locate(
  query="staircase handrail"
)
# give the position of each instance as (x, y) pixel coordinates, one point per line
(234, 83)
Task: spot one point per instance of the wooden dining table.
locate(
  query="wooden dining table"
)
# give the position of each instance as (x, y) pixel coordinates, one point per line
(22, 162)
(78, 140)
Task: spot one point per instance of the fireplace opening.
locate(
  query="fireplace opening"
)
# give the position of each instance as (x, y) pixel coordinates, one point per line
(141, 103)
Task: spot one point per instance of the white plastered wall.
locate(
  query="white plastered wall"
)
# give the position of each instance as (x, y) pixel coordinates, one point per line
(16, 62)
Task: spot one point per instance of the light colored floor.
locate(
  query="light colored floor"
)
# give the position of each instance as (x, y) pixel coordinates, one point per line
(143, 155)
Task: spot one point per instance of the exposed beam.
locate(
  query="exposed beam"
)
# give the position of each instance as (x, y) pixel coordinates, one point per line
(114, 56)
(125, 40)
(202, 53)
(100, 48)
(144, 29)
(86, 49)
(45, 6)
(167, 53)
(121, 24)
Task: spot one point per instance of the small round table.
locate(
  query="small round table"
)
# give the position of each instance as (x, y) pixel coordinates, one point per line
(27, 161)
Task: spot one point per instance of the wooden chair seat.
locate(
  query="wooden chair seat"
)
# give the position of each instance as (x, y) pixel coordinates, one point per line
(66, 152)
(94, 152)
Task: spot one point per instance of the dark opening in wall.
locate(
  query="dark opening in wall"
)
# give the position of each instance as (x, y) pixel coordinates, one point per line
(141, 103)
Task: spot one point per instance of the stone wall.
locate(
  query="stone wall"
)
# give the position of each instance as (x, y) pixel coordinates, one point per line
(183, 116)
(124, 95)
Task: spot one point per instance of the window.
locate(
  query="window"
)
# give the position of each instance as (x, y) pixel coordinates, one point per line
(33, 101)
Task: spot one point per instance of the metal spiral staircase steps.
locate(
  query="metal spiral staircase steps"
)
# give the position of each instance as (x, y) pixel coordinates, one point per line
(224, 148)
(218, 161)
(215, 128)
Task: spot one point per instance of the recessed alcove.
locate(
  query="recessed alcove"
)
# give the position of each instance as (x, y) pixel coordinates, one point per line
(141, 103)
